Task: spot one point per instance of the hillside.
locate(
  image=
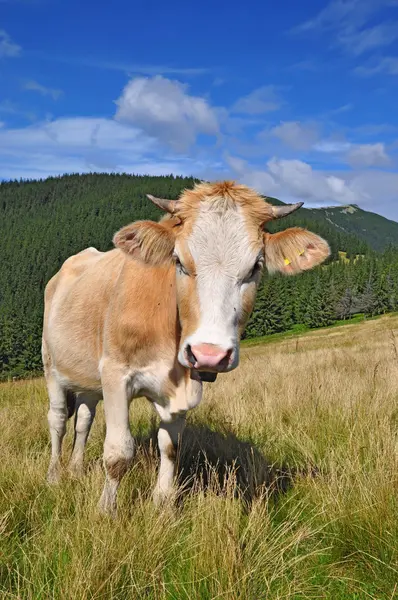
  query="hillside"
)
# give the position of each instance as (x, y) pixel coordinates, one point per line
(44, 222)
(375, 230)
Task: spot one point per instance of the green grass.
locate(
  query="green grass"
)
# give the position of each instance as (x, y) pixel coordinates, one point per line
(303, 502)
(301, 329)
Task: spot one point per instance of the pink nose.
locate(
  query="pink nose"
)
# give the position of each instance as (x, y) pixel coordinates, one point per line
(208, 356)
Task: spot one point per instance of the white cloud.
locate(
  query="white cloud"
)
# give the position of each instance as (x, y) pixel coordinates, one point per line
(345, 14)
(387, 65)
(86, 144)
(338, 13)
(347, 20)
(163, 109)
(380, 188)
(302, 181)
(10, 108)
(34, 86)
(368, 155)
(124, 67)
(297, 180)
(262, 100)
(341, 109)
(356, 155)
(8, 48)
(358, 42)
(77, 133)
(296, 135)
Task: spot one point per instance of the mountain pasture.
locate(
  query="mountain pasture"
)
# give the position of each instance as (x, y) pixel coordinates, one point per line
(302, 502)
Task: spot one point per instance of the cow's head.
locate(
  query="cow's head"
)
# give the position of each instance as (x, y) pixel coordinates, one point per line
(215, 236)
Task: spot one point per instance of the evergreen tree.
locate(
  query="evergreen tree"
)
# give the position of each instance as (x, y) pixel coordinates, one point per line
(320, 310)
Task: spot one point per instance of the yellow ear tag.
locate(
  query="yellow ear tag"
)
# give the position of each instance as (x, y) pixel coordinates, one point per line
(286, 261)
(301, 253)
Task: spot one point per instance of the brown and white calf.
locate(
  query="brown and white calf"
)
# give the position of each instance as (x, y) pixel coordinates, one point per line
(158, 314)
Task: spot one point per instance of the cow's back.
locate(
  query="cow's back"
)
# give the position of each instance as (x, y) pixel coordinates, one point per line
(76, 303)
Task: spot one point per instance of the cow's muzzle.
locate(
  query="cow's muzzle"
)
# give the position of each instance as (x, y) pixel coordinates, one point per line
(209, 358)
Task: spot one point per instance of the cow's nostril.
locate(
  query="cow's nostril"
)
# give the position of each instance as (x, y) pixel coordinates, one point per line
(190, 355)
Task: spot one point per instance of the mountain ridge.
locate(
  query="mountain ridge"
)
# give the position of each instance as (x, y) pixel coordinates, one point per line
(370, 227)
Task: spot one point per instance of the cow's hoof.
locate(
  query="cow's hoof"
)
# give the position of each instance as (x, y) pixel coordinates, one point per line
(53, 475)
(107, 506)
(76, 470)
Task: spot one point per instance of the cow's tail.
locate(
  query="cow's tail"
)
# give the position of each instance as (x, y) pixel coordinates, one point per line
(70, 403)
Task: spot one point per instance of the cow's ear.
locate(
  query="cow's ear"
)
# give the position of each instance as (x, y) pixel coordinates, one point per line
(294, 250)
(148, 241)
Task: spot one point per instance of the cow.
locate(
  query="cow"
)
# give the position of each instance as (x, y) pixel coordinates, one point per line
(156, 316)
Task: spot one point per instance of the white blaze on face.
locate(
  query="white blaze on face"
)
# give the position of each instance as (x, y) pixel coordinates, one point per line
(224, 258)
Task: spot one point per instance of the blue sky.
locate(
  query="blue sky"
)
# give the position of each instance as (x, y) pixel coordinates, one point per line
(297, 99)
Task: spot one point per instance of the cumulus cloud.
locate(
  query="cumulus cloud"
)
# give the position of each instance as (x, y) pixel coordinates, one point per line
(296, 135)
(163, 108)
(84, 144)
(262, 100)
(356, 155)
(8, 48)
(34, 86)
(368, 155)
(297, 180)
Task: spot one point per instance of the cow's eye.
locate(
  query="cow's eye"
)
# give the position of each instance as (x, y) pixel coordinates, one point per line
(255, 269)
(180, 266)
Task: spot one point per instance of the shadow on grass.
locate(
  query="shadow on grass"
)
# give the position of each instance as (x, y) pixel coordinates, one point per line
(221, 462)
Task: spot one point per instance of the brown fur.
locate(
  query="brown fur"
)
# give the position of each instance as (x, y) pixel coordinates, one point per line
(117, 470)
(188, 305)
(149, 241)
(143, 321)
(302, 248)
(171, 452)
(121, 305)
(224, 195)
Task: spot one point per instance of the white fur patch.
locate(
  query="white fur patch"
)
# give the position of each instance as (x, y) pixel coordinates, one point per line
(224, 257)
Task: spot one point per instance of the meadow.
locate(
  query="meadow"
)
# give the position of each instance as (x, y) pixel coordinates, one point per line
(289, 485)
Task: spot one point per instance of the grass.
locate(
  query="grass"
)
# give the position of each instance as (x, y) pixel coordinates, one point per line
(301, 329)
(290, 467)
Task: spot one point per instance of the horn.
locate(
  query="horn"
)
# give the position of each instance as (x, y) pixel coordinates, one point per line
(282, 211)
(167, 205)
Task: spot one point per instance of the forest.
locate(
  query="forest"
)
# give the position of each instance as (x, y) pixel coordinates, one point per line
(43, 222)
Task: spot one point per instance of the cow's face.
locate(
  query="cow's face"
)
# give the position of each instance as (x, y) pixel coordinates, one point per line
(216, 239)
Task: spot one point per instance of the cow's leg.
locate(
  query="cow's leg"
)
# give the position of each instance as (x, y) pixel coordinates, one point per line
(57, 418)
(119, 443)
(168, 437)
(85, 412)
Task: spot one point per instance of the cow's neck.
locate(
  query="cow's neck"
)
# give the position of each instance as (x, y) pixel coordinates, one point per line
(145, 319)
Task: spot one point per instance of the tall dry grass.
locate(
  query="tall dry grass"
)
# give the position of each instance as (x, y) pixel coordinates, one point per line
(289, 475)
